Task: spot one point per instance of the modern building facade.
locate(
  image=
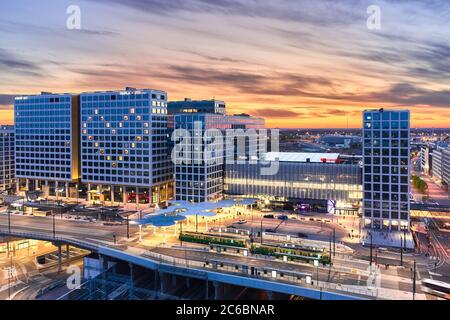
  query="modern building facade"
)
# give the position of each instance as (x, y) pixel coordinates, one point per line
(386, 171)
(446, 166)
(7, 170)
(202, 178)
(197, 106)
(47, 143)
(300, 177)
(425, 159)
(124, 155)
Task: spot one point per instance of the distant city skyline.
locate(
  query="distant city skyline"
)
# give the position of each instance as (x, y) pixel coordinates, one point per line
(298, 64)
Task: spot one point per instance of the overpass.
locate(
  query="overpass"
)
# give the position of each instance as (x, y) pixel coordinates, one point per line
(273, 276)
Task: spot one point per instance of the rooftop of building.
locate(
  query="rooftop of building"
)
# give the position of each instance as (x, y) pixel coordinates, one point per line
(386, 110)
(189, 100)
(127, 90)
(302, 157)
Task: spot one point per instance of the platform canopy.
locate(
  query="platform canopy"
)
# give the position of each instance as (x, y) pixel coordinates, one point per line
(160, 220)
(203, 209)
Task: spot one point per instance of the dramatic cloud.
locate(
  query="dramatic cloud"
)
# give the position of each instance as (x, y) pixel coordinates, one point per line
(297, 63)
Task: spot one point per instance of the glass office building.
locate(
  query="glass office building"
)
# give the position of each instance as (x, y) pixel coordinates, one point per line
(386, 172)
(299, 177)
(7, 178)
(198, 180)
(47, 140)
(124, 156)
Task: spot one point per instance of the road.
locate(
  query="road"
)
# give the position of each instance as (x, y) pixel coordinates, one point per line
(71, 228)
(29, 280)
(97, 233)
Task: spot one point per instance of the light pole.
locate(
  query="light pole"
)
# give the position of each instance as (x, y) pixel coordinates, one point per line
(334, 242)
(401, 251)
(371, 247)
(181, 233)
(54, 224)
(414, 281)
(261, 230)
(9, 221)
(128, 227)
(196, 223)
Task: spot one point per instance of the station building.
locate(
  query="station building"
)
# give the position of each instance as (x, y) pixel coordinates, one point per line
(321, 180)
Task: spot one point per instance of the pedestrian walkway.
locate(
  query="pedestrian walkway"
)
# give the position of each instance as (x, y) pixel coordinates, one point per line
(386, 238)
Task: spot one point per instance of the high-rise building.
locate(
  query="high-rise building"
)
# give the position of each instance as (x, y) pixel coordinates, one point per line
(437, 171)
(124, 156)
(200, 179)
(386, 173)
(7, 178)
(446, 166)
(47, 143)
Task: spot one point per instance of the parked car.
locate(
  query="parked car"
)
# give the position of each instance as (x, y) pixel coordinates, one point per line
(242, 221)
(269, 216)
(283, 217)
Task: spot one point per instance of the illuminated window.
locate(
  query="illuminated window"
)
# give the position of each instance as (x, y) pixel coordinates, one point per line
(96, 144)
(139, 118)
(120, 124)
(133, 145)
(90, 138)
(138, 138)
(102, 151)
(126, 151)
(84, 131)
(120, 158)
(125, 118)
(96, 111)
(132, 111)
(108, 125)
(84, 125)
(114, 165)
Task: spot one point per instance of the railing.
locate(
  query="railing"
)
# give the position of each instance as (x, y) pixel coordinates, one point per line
(47, 237)
(265, 273)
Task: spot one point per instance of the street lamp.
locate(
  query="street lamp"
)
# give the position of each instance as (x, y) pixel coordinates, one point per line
(128, 227)
(371, 247)
(9, 221)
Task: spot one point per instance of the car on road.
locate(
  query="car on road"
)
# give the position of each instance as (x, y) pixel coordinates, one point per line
(283, 217)
(231, 227)
(271, 231)
(269, 216)
(242, 221)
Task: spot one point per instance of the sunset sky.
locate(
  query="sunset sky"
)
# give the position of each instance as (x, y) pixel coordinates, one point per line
(298, 63)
